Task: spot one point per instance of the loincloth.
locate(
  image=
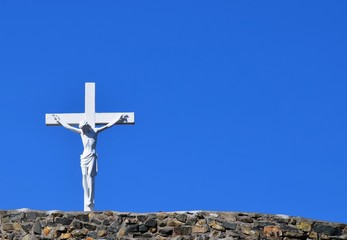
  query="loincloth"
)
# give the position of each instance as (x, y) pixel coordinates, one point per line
(91, 163)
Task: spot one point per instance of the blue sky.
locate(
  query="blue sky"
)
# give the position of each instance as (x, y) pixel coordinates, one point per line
(240, 105)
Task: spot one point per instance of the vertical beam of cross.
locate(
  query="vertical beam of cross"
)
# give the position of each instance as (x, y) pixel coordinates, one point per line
(89, 108)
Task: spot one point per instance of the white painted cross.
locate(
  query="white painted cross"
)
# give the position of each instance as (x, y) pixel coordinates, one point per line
(89, 137)
(89, 115)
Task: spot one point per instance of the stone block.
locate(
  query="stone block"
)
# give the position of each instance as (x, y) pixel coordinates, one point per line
(272, 232)
(65, 235)
(217, 226)
(305, 226)
(7, 227)
(183, 230)
(182, 217)
(166, 232)
(37, 228)
(64, 221)
(151, 223)
(82, 217)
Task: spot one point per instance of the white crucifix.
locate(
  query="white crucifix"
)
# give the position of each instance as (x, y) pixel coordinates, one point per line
(86, 128)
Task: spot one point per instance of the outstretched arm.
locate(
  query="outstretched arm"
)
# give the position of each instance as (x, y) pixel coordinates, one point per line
(122, 119)
(65, 125)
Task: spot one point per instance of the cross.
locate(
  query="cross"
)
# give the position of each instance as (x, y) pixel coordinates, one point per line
(89, 133)
(89, 115)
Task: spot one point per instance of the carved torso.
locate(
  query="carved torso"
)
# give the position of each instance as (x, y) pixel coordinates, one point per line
(89, 143)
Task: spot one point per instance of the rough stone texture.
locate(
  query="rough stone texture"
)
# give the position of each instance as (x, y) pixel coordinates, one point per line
(201, 225)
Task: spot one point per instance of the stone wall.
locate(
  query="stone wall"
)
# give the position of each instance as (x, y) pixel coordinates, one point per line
(27, 225)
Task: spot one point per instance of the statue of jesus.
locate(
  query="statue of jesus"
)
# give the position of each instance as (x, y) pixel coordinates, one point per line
(89, 165)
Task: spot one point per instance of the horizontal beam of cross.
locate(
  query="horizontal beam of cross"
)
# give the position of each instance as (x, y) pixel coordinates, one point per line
(100, 118)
